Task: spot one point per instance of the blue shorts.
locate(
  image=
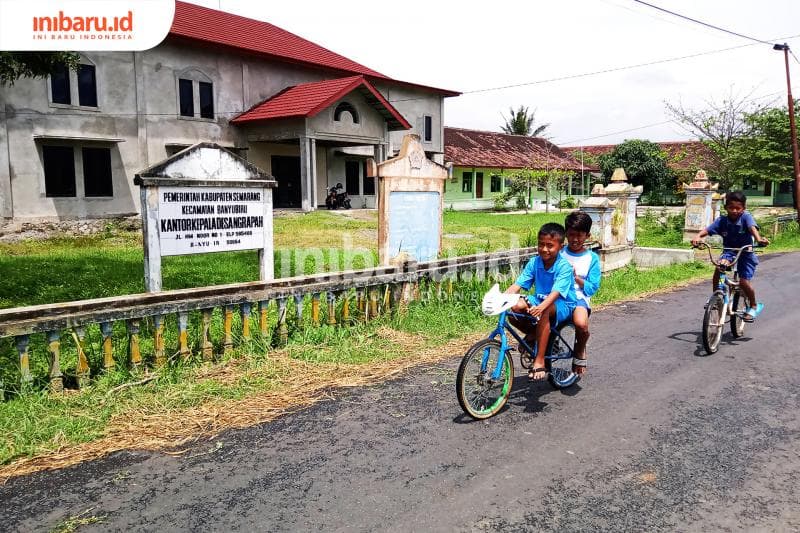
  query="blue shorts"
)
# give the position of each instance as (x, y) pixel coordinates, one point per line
(746, 267)
(582, 303)
(563, 309)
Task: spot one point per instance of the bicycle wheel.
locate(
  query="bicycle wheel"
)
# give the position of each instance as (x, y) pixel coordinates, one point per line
(479, 395)
(737, 323)
(558, 357)
(713, 323)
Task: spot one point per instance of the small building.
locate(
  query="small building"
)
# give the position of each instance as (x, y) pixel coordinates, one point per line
(71, 143)
(482, 161)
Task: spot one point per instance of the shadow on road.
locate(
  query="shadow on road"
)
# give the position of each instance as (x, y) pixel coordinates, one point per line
(695, 338)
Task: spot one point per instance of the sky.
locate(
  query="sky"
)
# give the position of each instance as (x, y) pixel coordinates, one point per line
(470, 46)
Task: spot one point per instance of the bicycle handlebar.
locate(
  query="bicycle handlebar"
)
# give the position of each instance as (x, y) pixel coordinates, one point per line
(706, 246)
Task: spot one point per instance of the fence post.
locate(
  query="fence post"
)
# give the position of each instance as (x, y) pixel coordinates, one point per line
(158, 340)
(331, 308)
(283, 331)
(246, 321)
(54, 346)
(228, 327)
(315, 308)
(24, 361)
(263, 317)
(134, 351)
(183, 334)
(82, 370)
(207, 346)
(107, 330)
(298, 309)
(346, 308)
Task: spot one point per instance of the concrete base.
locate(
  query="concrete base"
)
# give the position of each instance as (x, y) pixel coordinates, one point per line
(656, 257)
(615, 257)
(689, 234)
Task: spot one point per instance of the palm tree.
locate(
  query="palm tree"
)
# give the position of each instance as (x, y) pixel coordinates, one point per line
(521, 122)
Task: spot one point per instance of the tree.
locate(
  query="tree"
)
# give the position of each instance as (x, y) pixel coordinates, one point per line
(15, 65)
(764, 151)
(521, 122)
(719, 126)
(644, 163)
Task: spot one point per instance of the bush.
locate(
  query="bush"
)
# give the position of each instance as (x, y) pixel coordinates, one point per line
(499, 203)
(568, 203)
(522, 202)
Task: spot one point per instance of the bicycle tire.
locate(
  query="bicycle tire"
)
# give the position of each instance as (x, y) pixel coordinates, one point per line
(713, 323)
(559, 371)
(479, 396)
(737, 323)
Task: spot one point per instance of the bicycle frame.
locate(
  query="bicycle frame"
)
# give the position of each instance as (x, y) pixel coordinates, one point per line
(500, 330)
(728, 285)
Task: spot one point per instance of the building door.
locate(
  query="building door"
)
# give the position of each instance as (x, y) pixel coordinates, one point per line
(479, 185)
(286, 170)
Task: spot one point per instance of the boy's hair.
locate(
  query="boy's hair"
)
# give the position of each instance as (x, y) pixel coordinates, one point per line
(578, 221)
(736, 196)
(552, 229)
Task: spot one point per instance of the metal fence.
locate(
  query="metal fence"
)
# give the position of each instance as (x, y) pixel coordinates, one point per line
(348, 297)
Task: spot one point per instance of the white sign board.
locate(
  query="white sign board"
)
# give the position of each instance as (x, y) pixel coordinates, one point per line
(210, 219)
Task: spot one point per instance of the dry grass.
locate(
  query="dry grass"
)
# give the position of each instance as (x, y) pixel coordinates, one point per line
(302, 384)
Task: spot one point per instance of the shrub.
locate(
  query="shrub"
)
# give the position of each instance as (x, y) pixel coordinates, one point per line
(499, 202)
(568, 203)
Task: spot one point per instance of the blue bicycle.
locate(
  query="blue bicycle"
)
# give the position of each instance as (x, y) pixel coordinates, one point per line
(486, 373)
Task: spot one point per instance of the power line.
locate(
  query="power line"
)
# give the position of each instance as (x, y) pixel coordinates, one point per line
(603, 71)
(706, 24)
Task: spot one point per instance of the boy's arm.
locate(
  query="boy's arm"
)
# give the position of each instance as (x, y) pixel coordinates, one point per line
(700, 236)
(537, 310)
(513, 289)
(757, 236)
(592, 282)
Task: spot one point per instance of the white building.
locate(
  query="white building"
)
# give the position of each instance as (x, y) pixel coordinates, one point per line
(71, 144)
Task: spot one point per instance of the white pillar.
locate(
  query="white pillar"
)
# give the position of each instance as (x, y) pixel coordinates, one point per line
(307, 171)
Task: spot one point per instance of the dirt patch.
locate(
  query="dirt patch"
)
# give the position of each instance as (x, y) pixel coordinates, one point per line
(43, 229)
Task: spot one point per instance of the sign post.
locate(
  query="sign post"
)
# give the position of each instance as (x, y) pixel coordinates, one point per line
(205, 199)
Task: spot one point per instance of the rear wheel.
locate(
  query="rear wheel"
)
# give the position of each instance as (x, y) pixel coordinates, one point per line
(713, 323)
(739, 304)
(558, 357)
(479, 395)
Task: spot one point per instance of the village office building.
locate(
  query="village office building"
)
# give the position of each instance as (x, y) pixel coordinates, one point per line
(71, 144)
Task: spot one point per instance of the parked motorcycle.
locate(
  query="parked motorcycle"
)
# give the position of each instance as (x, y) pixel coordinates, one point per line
(337, 198)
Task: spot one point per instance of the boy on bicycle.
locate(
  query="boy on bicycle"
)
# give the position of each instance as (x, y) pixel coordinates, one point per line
(737, 229)
(586, 267)
(554, 299)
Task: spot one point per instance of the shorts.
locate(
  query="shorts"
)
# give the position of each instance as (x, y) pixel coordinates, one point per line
(746, 267)
(582, 303)
(563, 309)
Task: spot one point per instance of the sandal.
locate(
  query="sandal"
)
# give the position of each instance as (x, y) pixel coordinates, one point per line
(577, 364)
(534, 371)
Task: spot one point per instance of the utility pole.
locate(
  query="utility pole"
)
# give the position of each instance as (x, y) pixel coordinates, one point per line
(792, 129)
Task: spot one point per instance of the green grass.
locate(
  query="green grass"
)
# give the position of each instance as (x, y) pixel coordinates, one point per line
(34, 423)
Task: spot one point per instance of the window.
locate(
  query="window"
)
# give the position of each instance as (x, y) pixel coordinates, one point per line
(785, 187)
(59, 171)
(466, 182)
(206, 100)
(345, 107)
(750, 184)
(87, 86)
(369, 182)
(497, 183)
(59, 85)
(427, 129)
(351, 175)
(186, 98)
(97, 172)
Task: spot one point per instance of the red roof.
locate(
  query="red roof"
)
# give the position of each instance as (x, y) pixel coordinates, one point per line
(472, 148)
(308, 99)
(220, 28)
(682, 156)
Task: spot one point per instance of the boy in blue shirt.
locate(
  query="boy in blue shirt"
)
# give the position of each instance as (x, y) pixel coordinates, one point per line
(586, 266)
(554, 299)
(737, 229)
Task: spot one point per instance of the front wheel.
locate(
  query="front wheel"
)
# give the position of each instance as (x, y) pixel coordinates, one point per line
(558, 357)
(480, 395)
(713, 323)
(738, 306)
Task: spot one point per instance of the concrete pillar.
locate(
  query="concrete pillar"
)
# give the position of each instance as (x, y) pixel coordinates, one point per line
(601, 209)
(700, 205)
(308, 167)
(626, 195)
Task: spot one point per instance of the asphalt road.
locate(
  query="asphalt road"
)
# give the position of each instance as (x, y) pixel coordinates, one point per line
(658, 437)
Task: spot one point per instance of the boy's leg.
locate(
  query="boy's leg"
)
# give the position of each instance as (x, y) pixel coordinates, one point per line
(580, 317)
(538, 371)
(523, 325)
(747, 269)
